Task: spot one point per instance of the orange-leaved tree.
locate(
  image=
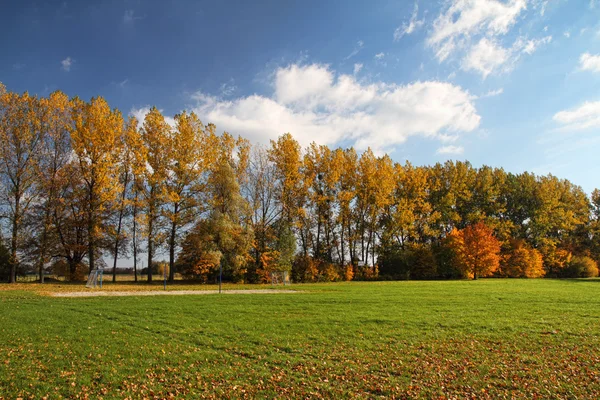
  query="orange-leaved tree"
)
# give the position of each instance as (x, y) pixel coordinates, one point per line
(476, 250)
(522, 261)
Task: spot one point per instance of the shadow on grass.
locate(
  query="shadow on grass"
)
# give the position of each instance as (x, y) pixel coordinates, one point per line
(580, 280)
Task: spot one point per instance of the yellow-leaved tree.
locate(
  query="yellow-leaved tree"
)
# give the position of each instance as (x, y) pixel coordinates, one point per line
(153, 159)
(186, 169)
(20, 140)
(95, 136)
(54, 154)
(129, 140)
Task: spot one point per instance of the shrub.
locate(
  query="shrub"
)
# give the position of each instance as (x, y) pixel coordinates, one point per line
(304, 269)
(522, 261)
(581, 267)
(413, 262)
(556, 260)
(72, 272)
(348, 273)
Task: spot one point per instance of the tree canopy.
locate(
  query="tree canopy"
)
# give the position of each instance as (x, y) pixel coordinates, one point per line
(78, 182)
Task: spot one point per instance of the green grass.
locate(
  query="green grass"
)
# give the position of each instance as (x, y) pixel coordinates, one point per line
(485, 338)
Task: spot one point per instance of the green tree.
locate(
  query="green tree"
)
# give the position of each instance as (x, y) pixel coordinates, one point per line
(228, 221)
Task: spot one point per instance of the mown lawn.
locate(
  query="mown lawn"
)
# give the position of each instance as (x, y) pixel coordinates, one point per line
(455, 339)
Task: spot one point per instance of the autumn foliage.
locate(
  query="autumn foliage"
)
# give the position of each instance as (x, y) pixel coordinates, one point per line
(476, 250)
(79, 182)
(522, 261)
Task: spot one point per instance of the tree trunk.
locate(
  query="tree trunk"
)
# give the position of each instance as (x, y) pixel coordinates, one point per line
(116, 254)
(91, 249)
(43, 246)
(134, 238)
(343, 255)
(172, 244)
(150, 245)
(91, 236)
(14, 239)
(72, 269)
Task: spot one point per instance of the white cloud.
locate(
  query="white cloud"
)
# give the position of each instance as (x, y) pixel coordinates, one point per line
(379, 56)
(567, 34)
(450, 150)
(492, 93)
(357, 68)
(463, 19)
(583, 117)
(140, 114)
(485, 57)
(66, 64)
(413, 25)
(129, 17)
(315, 104)
(530, 46)
(589, 62)
(474, 32)
(488, 57)
(542, 6)
(359, 45)
(228, 88)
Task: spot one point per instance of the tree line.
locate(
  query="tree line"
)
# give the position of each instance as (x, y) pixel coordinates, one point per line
(83, 186)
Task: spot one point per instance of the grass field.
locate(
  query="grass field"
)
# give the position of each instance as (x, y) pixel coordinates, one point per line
(454, 339)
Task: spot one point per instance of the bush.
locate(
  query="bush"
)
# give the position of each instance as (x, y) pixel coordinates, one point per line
(73, 273)
(522, 261)
(445, 262)
(580, 267)
(310, 269)
(413, 262)
(556, 261)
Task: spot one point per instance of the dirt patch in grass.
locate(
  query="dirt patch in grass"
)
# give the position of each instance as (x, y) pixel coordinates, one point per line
(98, 293)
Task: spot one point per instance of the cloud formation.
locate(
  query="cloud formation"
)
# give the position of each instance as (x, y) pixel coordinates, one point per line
(456, 150)
(316, 104)
(413, 25)
(489, 57)
(129, 17)
(492, 93)
(463, 19)
(359, 45)
(472, 30)
(485, 57)
(66, 64)
(589, 62)
(585, 116)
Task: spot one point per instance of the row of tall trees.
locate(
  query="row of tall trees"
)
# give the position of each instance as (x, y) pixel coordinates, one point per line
(82, 185)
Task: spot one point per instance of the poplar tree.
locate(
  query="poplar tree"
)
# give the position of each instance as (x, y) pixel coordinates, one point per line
(185, 171)
(95, 137)
(154, 158)
(20, 138)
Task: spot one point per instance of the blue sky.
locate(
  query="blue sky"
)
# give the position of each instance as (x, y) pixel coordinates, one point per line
(512, 84)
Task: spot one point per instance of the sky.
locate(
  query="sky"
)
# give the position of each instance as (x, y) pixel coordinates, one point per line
(512, 84)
